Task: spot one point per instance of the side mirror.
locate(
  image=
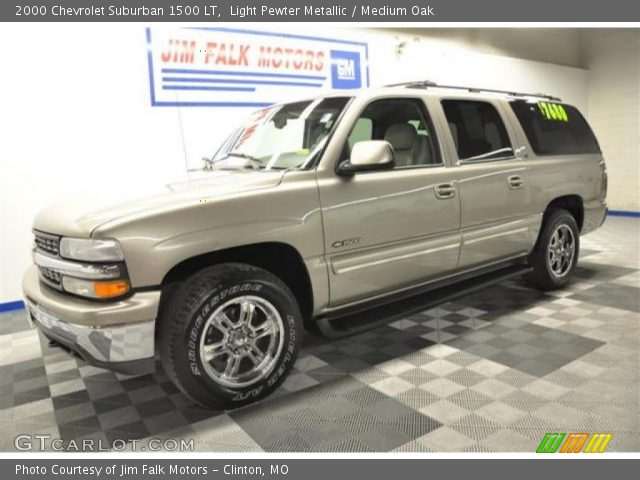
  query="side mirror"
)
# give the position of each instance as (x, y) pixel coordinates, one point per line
(368, 156)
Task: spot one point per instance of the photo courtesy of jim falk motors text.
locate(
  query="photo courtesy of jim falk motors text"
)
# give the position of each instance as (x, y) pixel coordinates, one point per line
(124, 470)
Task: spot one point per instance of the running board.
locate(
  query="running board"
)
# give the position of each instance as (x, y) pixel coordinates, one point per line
(345, 323)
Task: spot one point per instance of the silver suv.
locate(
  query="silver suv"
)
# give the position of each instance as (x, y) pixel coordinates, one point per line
(313, 214)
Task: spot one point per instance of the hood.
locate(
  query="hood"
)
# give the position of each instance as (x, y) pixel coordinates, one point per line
(80, 216)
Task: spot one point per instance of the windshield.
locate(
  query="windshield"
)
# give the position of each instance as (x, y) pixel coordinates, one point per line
(281, 137)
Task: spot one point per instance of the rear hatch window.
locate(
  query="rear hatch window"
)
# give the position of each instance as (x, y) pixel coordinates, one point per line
(555, 128)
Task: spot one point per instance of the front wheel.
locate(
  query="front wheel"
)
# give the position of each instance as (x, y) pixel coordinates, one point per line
(229, 335)
(556, 252)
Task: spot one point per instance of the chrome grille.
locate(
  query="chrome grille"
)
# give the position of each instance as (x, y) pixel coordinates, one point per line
(51, 277)
(47, 243)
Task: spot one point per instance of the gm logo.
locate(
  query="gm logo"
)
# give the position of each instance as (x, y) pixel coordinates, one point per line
(345, 69)
(573, 443)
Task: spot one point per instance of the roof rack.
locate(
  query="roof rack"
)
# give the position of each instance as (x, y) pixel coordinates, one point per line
(429, 84)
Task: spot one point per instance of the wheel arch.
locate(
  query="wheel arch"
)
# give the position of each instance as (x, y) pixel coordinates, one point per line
(278, 258)
(574, 204)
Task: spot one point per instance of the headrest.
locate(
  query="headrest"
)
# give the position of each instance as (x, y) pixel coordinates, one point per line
(401, 136)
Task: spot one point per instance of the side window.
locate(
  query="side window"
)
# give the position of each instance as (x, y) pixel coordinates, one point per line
(555, 128)
(362, 130)
(405, 124)
(420, 127)
(477, 130)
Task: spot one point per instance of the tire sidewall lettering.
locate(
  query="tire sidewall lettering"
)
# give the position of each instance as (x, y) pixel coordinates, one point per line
(288, 355)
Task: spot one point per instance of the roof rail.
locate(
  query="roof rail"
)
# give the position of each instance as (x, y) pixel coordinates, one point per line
(429, 84)
(415, 84)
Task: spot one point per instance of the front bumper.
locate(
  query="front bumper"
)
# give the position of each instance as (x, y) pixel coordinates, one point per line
(117, 335)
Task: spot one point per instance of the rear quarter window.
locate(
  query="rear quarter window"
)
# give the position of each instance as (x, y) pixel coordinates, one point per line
(555, 128)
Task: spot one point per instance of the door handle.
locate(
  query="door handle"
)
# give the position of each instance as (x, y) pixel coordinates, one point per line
(445, 190)
(515, 182)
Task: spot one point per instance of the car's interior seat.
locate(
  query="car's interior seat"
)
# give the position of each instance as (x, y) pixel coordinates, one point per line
(409, 147)
(468, 144)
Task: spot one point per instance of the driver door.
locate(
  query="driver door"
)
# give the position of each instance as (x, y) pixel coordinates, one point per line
(393, 229)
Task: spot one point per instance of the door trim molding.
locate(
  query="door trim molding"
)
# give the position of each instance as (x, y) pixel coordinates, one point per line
(411, 290)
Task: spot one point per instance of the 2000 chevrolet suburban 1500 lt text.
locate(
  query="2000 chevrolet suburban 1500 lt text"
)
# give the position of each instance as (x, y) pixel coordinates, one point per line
(310, 214)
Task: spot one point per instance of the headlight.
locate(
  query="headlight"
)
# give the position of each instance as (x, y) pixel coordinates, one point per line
(90, 250)
(95, 288)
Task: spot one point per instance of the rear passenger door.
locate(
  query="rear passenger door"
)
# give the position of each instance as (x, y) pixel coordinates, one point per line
(497, 219)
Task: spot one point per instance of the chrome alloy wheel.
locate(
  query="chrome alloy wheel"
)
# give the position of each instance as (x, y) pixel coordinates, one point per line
(561, 250)
(241, 341)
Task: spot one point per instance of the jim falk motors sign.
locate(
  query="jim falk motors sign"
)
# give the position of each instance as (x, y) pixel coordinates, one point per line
(227, 67)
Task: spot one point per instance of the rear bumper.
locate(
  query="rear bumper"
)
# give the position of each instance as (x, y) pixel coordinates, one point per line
(118, 336)
(595, 213)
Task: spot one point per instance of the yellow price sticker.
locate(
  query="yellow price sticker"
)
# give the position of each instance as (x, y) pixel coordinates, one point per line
(553, 111)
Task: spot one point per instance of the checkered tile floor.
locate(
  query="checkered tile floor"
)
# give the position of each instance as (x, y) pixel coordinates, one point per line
(494, 371)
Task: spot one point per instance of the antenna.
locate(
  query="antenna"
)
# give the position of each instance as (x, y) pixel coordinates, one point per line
(184, 143)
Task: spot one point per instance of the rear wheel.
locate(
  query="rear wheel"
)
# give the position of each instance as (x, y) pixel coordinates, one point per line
(229, 335)
(556, 252)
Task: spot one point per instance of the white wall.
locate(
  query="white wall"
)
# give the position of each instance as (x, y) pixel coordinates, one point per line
(613, 58)
(448, 61)
(560, 46)
(75, 115)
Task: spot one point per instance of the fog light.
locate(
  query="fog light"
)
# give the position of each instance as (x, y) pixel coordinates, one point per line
(95, 289)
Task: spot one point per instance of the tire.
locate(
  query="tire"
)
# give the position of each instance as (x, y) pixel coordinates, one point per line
(229, 335)
(556, 252)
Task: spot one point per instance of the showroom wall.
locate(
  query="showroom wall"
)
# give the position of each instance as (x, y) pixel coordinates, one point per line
(77, 122)
(613, 60)
(561, 46)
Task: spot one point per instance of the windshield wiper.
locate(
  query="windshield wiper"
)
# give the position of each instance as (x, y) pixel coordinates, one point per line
(246, 156)
(209, 163)
(241, 155)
